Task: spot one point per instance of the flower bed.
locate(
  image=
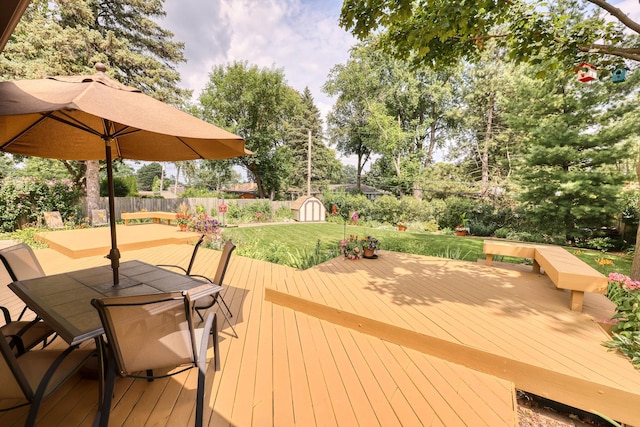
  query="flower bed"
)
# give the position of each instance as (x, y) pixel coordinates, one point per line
(625, 293)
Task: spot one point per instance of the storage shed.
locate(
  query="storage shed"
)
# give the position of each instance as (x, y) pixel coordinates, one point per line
(308, 209)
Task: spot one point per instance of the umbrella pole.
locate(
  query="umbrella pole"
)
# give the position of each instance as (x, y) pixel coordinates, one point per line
(114, 254)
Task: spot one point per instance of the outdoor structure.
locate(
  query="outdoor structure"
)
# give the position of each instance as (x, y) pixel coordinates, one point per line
(248, 190)
(565, 270)
(400, 340)
(308, 209)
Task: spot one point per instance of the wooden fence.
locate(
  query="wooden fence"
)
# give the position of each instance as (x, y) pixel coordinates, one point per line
(210, 205)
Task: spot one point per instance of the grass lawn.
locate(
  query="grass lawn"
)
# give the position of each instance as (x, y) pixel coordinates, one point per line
(295, 245)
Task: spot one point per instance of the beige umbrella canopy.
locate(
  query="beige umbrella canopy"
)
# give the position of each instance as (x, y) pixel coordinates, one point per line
(96, 118)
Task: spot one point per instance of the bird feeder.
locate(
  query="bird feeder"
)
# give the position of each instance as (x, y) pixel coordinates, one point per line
(586, 72)
(619, 74)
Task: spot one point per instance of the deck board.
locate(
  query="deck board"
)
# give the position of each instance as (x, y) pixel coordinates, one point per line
(505, 322)
(287, 367)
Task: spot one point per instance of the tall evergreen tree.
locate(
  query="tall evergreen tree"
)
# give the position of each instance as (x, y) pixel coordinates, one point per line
(573, 135)
(324, 163)
(63, 37)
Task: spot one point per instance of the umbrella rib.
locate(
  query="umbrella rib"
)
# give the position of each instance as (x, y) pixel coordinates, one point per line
(73, 122)
(189, 147)
(26, 130)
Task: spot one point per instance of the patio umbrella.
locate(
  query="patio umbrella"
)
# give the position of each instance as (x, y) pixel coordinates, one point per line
(96, 118)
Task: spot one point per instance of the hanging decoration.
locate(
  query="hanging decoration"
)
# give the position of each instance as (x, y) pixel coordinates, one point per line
(619, 74)
(586, 72)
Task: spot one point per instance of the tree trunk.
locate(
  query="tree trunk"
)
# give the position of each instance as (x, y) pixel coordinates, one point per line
(93, 185)
(635, 267)
(485, 150)
(359, 174)
(175, 185)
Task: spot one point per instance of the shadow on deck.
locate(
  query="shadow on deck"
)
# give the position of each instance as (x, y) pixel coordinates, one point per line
(508, 323)
(401, 340)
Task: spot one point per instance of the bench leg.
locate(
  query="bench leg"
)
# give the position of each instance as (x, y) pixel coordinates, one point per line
(489, 259)
(536, 267)
(577, 298)
(126, 222)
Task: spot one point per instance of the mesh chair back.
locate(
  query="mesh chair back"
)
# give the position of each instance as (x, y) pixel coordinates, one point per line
(195, 252)
(229, 247)
(148, 332)
(20, 262)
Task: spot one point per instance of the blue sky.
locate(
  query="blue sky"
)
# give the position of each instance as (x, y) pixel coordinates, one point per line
(302, 37)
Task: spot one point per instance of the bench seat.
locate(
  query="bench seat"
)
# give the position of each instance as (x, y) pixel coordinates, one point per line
(565, 270)
(519, 250)
(157, 217)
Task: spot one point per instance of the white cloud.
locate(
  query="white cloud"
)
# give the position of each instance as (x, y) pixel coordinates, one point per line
(301, 37)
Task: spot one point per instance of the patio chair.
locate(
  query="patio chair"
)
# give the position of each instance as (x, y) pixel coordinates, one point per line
(21, 264)
(150, 332)
(187, 270)
(23, 335)
(208, 302)
(35, 375)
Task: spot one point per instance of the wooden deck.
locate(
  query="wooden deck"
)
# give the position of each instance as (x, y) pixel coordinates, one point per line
(96, 241)
(505, 322)
(401, 340)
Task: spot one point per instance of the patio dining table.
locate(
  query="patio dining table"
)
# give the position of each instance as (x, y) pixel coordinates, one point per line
(64, 300)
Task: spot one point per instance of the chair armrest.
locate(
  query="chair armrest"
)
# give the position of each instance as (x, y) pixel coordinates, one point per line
(199, 276)
(210, 328)
(7, 315)
(172, 266)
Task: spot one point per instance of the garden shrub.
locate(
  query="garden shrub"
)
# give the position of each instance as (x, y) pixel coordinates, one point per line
(283, 213)
(120, 187)
(386, 209)
(430, 226)
(481, 229)
(454, 209)
(432, 209)
(412, 209)
(24, 200)
(502, 233)
(346, 204)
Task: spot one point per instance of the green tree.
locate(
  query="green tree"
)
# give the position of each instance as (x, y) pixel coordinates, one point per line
(44, 169)
(146, 175)
(437, 33)
(387, 108)
(573, 135)
(324, 163)
(63, 37)
(213, 174)
(482, 139)
(255, 104)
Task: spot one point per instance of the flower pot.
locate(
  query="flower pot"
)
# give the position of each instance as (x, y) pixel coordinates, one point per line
(183, 227)
(461, 232)
(402, 227)
(368, 253)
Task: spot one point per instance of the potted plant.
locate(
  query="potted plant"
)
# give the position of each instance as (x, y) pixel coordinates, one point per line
(182, 216)
(402, 224)
(462, 229)
(351, 248)
(369, 245)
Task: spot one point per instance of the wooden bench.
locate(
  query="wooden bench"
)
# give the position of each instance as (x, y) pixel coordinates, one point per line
(565, 270)
(157, 217)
